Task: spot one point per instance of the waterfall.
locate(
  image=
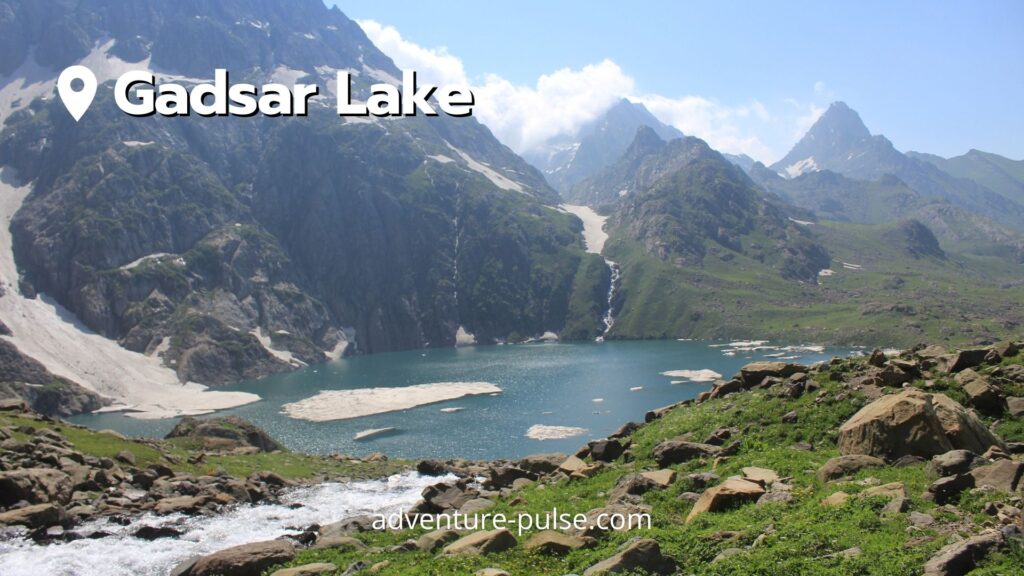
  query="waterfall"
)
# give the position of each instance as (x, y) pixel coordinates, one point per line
(609, 315)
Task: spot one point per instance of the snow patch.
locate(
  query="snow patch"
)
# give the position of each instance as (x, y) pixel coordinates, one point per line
(356, 403)
(594, 235)
(542, 432)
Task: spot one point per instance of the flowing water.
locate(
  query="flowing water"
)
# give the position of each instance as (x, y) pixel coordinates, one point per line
(121, 554)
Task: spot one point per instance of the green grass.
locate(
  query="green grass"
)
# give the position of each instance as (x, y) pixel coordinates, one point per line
(176, 453)
(798, 539)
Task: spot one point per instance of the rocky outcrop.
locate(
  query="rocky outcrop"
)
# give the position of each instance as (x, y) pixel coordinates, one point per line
(960, 558)
(642, 554)
(913, 423)
(24, 378)
(224, 433)
(731, 492)
(483, 542)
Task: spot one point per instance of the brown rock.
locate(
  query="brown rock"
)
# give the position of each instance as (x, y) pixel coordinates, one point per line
(981, 393)
(753, 374)
(433, 540)
(730, 493)
(339, 542)
(963, 428)
(35, 516)
(639, 555)
(663, 478)
(835, 499)
(846, 465)
(892, 491)
(961, 557)
(762, 476)
(895, 425)
(244, 560)
(965, 359)
(35, 486)
(307, 570)
(483, 542)
(552, 542)
(675, 451)
(1015, 406)
(1003, 475)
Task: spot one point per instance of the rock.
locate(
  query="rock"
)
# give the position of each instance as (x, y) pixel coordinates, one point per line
(732, 492)
(180, 504)
(625, 430)
(663, 478)
(432, 468)
(572, 464)
(908, 460)
(753, 374)
(762, 476)
(35, 486)
(893, 375)
(675, 451)
(606, 450)
(491, 572)
(963, 428)
(431, 541)
(338, 542)
(245, 560)
(952, 462)
(224, 433)
(307, 570)
(919, 519)
(476, 506)
(483, 542)
(980, 392)
(892, 491)
(34, 516)
(960, 558)
(726, 554)
(552, 542)
(965, 359)
(835, 499)
(913, 423)
(641, 554)
(444, 496)
(945, 489)
(775, 498)
(503, 476)
(156, 532)
(896, 506)
(877, 358)
(847, 465)
(632, 485)
(1006, 349)
(541, 464)
(1003, 475)
(790, 417)
(1015, 406)
(627, 516)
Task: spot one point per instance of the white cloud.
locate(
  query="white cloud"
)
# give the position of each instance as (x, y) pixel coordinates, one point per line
(525, 117)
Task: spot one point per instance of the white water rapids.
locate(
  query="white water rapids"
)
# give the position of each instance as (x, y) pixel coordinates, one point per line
(124, 555)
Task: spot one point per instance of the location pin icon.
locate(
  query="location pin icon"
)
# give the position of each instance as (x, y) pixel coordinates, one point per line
(76, 101)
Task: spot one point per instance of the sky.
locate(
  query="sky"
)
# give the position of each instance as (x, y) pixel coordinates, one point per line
(749, 77)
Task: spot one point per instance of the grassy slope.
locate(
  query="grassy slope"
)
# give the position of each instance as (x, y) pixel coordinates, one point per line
(799, 538)
(954, 301)
(291, 465)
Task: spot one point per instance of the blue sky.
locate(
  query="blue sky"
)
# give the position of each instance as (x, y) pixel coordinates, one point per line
(940, 77)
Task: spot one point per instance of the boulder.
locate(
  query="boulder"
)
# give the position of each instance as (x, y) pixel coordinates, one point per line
(913, 423)
(607, 450)
(961, 557)
(965, 359)
(35, 486)
(338, 542)
(1003, 475)
(180, 504)
(762, 476)
(504, 475)
(431, 541)
(642, 554)
(835, 499)
(224, 433)
(307, 570)
(1015, 406)
(732, 492)
(981, 393)
(541, 464)
(847, 465)
(753, 374)
(572, 464)
(34, 516)
(552, 542)
(945, 489)
(952, 462)
(663, 478)
(628, 517)
(677, 451)
(892, 491)
(963, 428)
(632, 485)
(477, 506)
(483, 542)
(245, 560)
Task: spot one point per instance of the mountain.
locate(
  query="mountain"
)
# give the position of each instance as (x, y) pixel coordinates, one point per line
(596, 145)
(995, 172)
(839, 141)
(686, 202)
(230, 248)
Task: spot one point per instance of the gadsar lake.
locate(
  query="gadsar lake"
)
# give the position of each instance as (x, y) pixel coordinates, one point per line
(591, 386)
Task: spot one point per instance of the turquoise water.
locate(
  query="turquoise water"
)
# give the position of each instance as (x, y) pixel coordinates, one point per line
(547, 384)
